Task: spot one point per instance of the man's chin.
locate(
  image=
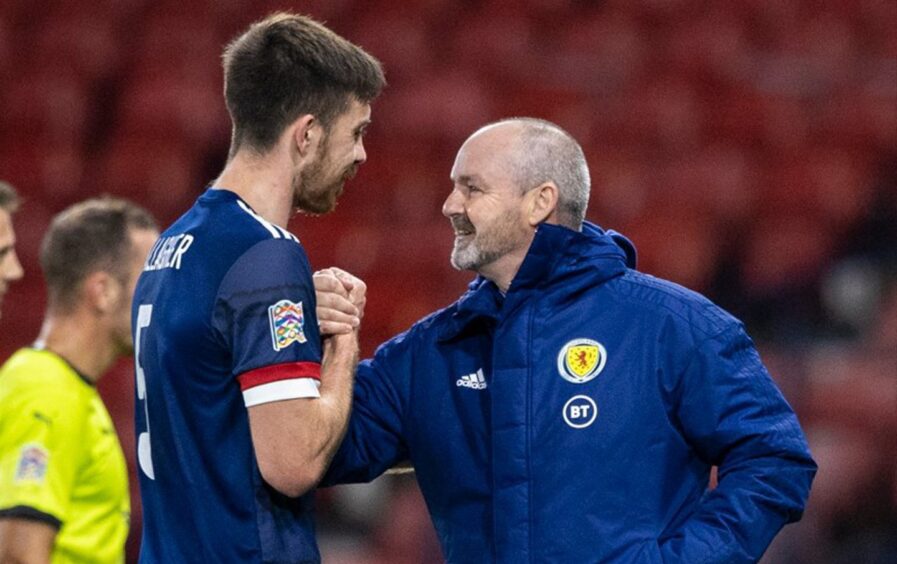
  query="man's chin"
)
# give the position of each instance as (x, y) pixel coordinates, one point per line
(462, 261)
(318, 206)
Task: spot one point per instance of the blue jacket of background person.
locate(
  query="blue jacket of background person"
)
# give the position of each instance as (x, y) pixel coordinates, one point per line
(576, 418)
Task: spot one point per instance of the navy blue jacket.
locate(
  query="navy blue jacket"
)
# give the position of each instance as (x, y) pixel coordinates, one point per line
(576, 418)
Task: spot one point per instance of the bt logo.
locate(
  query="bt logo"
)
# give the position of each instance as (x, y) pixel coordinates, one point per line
(580, 412)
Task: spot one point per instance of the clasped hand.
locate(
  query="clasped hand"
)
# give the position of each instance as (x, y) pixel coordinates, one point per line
(341, 297)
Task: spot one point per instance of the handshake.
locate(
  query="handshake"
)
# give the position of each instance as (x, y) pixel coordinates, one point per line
(340, 300)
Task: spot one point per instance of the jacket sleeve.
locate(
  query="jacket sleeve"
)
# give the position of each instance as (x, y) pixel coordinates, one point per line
(734, 416)
(374, 439)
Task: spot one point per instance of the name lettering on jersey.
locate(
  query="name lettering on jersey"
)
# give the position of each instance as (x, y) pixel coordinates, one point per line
(580, 412)
(287, 324)
(168, 252)
(33, 462)
(581, 360)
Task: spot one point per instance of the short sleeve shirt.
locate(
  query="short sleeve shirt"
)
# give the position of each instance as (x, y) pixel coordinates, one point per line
(60, 458)
(223, 320)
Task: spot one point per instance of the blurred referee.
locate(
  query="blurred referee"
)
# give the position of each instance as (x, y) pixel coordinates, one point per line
(63, 478)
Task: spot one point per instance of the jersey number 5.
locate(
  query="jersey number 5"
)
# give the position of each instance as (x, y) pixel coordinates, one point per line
(144, 452)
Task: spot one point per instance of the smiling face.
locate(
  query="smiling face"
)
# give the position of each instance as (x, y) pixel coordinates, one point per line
(487, 207)
(10, 268)
(339, 153)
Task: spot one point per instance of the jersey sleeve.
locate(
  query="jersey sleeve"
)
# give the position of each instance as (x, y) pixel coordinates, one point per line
(265, 313)
(39, 455)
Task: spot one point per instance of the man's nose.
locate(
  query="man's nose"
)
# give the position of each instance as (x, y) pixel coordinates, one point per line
(12, 270)
(453, 204)
(360, 154)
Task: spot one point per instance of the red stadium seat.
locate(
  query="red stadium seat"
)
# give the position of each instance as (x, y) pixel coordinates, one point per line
(86, 43)
(47, 106)
(159, 106)
(50, 174)
(162, 177)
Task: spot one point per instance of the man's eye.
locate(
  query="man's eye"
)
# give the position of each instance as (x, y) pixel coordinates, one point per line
(473, 189)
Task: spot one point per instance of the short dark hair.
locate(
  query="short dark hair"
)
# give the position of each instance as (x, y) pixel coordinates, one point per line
(9, 199)
(286, 66)
(87, 237)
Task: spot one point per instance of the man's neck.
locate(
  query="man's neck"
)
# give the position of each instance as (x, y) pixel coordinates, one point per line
(262, 183)
(503, 270)
(80, 341)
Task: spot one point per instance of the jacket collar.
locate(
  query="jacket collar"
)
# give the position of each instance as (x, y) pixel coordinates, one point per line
(557, 255)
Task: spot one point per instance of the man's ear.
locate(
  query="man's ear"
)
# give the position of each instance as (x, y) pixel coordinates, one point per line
(542, 205)
(306, 134)
(101, 291)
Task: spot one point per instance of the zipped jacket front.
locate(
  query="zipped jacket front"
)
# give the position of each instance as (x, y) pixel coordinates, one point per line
(576, 418)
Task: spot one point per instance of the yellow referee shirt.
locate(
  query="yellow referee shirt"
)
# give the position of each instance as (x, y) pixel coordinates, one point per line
(60, 459)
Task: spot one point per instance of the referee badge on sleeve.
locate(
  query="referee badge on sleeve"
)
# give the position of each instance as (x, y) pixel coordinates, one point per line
(33, 461)
(287, 324)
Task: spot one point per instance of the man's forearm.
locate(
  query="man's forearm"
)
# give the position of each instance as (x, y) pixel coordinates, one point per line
(332, 417)
(294, 440)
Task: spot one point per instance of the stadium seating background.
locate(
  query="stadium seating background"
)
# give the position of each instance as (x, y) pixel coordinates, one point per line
(748, 147)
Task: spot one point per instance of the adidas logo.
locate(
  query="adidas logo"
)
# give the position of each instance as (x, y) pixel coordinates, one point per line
(475, 381)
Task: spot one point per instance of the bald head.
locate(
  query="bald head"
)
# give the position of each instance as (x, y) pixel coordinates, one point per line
(535, 152)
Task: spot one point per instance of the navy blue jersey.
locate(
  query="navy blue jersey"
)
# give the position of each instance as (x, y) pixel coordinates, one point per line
(223, 319)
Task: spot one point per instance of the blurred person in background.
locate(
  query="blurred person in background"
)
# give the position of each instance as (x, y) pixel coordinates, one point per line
(10, 268)
(568, 407)
(63, 477)
(240, 405)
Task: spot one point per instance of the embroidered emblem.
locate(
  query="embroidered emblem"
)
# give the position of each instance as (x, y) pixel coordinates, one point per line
(580, 412)
(287, 324)
(580, 360)
(33, 462)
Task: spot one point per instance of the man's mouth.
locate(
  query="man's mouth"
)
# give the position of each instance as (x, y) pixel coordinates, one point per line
(463, 229)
